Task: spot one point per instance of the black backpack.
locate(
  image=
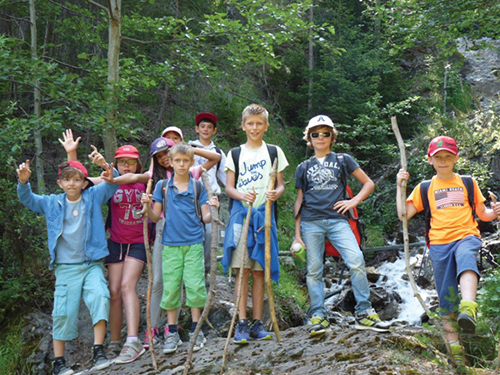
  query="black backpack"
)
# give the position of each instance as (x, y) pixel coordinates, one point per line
(235, 154)
(424, 194)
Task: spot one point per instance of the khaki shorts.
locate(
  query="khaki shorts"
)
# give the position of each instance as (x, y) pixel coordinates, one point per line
(249, 263)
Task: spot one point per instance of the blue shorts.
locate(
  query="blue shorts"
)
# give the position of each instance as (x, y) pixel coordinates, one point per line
(448, 263)
(74, 281)
(120, 252)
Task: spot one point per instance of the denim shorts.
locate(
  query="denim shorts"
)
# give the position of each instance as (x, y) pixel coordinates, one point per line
(120, 252)
(448, 263)
(73, 282)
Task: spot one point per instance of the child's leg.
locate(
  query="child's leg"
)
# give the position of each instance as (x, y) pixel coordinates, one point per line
(59, 346)
(157, 289)
(242, 308)
(450, 327)
(173, 267)
(96, 297)
(257, 294)
(468, 285)
(195, 314)
(115, 273)
(131, 274)
(99, 332)
(172, 317)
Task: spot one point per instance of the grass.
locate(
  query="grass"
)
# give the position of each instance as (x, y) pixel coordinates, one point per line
(11, 350)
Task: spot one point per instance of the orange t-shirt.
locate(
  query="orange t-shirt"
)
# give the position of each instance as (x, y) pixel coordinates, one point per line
(451, 214)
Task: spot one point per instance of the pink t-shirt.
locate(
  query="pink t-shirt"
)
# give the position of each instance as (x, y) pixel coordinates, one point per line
(126, 223)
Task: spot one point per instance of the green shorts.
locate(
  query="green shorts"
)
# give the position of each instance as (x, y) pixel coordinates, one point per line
(183, 263)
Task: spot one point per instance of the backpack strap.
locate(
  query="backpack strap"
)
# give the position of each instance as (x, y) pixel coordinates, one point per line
(469, 185)
(164, 190)
(197, 186)
(218, 150)
(344, 173)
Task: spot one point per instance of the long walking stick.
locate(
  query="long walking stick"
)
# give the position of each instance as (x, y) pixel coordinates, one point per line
(272, 310)
(495, 199)
(213, 268)
(150, 278)
(244, 254)
(406, 239)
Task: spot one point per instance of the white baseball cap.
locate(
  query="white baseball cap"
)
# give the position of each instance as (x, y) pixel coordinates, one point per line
(320, 120)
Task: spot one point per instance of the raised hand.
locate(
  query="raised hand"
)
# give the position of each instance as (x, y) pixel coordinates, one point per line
(69, 144)
(107, 175)
(24, 172)
(97, 158)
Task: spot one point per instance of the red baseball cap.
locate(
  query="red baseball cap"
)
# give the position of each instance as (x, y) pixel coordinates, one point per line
(442, 143)
(206, 115)
(81, 168)
(127, 151)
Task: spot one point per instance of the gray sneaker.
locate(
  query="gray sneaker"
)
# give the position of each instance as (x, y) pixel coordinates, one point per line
(171, 342)
(130, 352)
(200, 340)
(100, 360)
(114, 349)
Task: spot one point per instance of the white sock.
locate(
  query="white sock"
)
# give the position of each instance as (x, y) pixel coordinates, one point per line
(132, 339)
(456, 342)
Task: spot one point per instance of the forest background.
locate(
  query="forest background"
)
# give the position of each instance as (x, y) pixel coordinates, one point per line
(118, 72)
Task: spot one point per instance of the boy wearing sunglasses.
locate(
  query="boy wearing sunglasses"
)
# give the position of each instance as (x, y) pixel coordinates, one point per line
(321, 211)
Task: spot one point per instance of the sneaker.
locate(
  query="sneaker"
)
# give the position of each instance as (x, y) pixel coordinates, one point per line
(370, 320)
(100, 360)
(467, 316)
(114, 349)
(200, 340)
(156, 338)
(258, 332)
(458, 355)
(171, 342)
(241, 334)
(319, 325)
(130, 352)
(60, 368)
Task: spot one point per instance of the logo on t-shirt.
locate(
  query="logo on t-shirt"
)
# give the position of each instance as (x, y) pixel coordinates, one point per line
(449, 197)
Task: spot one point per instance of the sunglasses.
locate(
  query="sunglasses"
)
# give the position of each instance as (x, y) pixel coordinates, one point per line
(127, 162)
(324, 134)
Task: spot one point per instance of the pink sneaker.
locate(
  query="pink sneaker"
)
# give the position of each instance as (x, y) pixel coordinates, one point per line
(156, 338)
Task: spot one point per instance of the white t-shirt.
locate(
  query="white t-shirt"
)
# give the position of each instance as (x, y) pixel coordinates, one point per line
(254, 170)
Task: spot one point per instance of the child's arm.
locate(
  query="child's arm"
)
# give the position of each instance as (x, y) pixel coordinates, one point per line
(235, 194)
(132, 178)
(205, 212)
(410, 208)
(213, 157)
(24, 172)
(69, 144)
(296, 209)
(279, 189)
(154, 213)
(488, 214)
(345, 205)
(32, 201)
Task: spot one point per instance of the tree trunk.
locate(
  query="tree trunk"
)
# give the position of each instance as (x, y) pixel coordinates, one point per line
(311, 63)
(37, 104)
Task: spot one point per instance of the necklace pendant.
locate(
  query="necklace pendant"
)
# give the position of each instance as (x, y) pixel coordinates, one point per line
(75, 213)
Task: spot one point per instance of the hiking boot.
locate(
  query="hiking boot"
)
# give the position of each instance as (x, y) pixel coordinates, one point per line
(114, 349)
(171, 341)
(156, 338)
(370, 320)
(319, 325)
(467, 316)
(100, 360)
(200, 340)
(258, 332)
(130, 352)
(60, 368)
(241, 334)
(458, 356)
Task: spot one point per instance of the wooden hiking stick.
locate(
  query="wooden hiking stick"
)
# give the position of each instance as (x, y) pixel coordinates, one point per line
(213, 268)
(243, 241)
(272, 311)
(495, 200)
(150, 277)
(406, 239)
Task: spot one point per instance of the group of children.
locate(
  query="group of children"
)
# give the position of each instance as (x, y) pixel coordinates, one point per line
(179, 206)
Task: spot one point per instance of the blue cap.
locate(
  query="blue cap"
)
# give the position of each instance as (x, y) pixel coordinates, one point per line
(160, 144)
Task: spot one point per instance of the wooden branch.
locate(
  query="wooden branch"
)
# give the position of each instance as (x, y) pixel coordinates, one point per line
(406, 240)
(272, 311)
(213, 269)
(100, 6)
(150, 279)
(244, 254)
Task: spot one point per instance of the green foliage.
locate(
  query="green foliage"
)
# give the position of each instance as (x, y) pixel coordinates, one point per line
(289, 291)
(12, 352)
(488, 300)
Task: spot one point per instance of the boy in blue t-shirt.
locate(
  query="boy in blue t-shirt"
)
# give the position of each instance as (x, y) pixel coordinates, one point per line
(77, 246)
(183, 236)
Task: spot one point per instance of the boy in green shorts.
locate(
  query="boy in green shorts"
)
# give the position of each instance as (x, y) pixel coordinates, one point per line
(454, 236)
(183, 235)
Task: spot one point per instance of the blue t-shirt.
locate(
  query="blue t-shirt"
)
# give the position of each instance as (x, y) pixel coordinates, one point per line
(182, 226)
(70, 246)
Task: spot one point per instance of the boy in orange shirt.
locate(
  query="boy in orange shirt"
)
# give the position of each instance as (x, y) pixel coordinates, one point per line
(454, 237)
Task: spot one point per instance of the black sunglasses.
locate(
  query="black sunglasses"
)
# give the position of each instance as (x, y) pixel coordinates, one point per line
(324, 134)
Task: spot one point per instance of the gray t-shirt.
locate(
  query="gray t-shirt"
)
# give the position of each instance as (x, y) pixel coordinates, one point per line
(322, 185)
(70, 244)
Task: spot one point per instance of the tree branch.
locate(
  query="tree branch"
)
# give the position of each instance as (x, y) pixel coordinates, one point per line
(100, 6)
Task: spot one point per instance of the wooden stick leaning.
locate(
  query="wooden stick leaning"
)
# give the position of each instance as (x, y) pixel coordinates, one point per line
(244, 255)
(213, 268)
(150, 278)
(495, 200)
(272, 311)
(406, 239)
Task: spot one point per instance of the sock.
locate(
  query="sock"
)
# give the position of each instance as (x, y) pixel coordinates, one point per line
(96, 346)
(454, 343)
(59, 360)
(193, 326)
(172, 328)
(132, 339)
